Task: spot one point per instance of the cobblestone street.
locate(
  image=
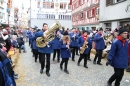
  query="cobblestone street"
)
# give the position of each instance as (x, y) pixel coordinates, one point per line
(95, 75)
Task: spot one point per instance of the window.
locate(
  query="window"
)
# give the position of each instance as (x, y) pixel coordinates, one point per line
(108, 25)
(76, 5)
(111, 2)
(81, 2)
(64, 6)
(90, 13)
(61, 5)
(117, 1)
(81, 15)
(46, 5)
(52, 5)
(69, 7)
(97, 11)
(38, 4)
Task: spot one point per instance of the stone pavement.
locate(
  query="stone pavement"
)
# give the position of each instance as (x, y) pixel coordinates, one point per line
(95, 75)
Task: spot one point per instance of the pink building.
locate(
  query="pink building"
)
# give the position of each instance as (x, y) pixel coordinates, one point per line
(85, 14)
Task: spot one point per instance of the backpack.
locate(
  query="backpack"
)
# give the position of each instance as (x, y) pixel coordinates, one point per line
(4, 70)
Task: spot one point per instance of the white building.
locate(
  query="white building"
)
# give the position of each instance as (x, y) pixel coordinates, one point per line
(3, 12)
(114, 13)
(47, 11)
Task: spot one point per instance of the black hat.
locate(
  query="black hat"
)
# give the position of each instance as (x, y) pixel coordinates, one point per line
(100, 29)
(121, 30)
(65, 33)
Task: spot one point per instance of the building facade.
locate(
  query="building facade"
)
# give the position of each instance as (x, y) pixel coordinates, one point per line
(114, 13)
(85, 14)
(47, 11)
(3, 12)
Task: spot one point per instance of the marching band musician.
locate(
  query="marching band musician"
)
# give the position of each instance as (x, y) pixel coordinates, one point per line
(118, 57)
(82, 40)
(78, 33)
(89, 45)
(34, 47)
(56, 45)
(45, 51)
(74, 43)
(100, 45)
(65, 50)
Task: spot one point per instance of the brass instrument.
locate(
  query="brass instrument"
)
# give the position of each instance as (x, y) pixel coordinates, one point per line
(41, 41)
(84, 47)
(109, 38)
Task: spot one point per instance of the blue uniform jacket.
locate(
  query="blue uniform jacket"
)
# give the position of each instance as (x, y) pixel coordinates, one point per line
(46, 49)
(14, 43)
(56, 43)
(90, 44)
(99, 42)
(81, 42)
(65, 53)
(74, 41)
(118, 55)
(36, 35)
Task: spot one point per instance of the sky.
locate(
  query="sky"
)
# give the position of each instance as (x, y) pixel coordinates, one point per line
(18, 3)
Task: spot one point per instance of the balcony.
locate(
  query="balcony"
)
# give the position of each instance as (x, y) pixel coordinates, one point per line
(85, 6)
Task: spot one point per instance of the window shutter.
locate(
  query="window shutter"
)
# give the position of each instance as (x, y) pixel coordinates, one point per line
(93, 12)
(88, 14)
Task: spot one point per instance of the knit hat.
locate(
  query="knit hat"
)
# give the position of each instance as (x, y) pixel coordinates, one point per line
(121, 30)
(65, 33)
(100, 29)
(85, 31)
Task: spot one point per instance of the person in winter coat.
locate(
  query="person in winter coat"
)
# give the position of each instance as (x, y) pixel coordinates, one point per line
(6, 71)
(56, 46)
(45, 52)
(128, 69)
(118, 57)
(34, 47)
(82, 39)
(7, 40)
(65, 51)
(100, 45)
(74, 43)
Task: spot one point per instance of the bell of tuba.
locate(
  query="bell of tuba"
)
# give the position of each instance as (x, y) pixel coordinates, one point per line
(41, 41)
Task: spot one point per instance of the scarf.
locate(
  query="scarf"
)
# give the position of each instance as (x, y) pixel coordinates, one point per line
(66, 40)
(129, 49)
(99, 33)
(122, 40)
(84, 37)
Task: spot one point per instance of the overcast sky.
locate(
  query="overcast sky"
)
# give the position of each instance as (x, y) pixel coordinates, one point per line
(18, 3)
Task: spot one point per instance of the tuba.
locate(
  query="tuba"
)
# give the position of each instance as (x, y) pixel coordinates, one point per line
(41, 41)
(84, 47)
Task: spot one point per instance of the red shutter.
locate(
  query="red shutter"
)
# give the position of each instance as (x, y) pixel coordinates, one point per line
(88, 14)
(93, 12)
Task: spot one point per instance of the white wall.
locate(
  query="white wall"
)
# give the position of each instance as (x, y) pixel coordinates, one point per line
(39, 23)
(113, 12)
